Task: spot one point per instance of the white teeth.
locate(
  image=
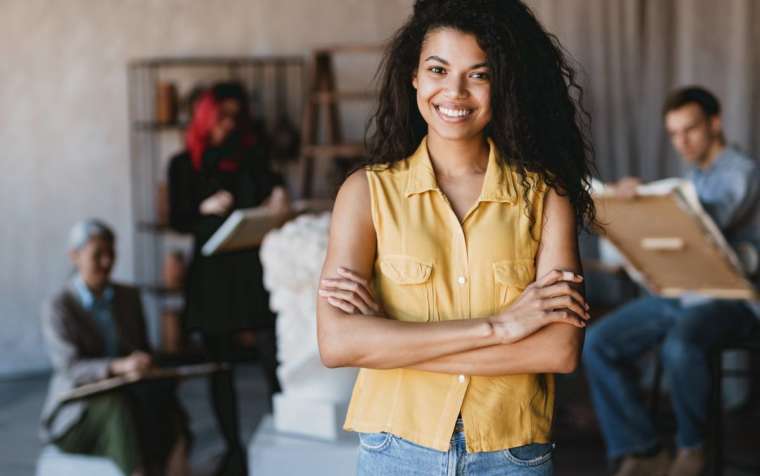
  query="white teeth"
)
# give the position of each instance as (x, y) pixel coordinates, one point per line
(453, 112)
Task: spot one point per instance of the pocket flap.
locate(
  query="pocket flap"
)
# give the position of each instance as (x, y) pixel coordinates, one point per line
(518, 273)
(404, 269)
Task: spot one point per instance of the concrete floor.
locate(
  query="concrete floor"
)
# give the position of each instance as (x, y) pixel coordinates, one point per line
(21, 401)
(579, 446)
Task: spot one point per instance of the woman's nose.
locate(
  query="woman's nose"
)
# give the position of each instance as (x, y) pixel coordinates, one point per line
(456, 87)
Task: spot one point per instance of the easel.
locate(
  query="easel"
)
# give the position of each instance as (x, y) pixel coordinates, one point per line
(324, 95)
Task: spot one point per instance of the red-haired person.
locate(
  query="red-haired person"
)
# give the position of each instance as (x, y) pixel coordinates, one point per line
(223, 168)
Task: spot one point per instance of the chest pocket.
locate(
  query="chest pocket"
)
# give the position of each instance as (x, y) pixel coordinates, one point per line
(406, 288)
(511, 277)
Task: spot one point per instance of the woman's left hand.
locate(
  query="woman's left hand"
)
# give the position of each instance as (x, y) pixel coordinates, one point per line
(351, 293)
(278, 200)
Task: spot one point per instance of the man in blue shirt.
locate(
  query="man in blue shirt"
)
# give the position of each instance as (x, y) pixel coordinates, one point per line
(728, 186)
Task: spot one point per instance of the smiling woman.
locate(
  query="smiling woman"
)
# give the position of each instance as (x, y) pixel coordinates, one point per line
(452, 83)
(452, 275)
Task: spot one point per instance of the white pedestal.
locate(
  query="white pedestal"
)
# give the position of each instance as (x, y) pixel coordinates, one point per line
(54, 462)
(272, 453)
(308, 417)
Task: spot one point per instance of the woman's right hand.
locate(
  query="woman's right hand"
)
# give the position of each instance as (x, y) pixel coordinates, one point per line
(547, 300)
(217, 204)
(626, 187)
(135, 363)
(351, 293)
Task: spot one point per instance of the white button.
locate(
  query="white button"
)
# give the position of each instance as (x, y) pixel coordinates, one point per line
(461, 378)
(461, 280)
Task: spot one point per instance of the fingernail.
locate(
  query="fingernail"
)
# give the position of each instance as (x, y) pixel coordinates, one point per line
(341, 269)
(322, 292)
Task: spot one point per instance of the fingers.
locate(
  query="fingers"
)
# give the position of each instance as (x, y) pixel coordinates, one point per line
(138, 361)
(223, 196)
(222, 201)
(562, 289)
(355, 284)
(569, 303)
(566, 317)
(141, 356)
(132, 375)
(348, 274)
(626, 187)
(349, 298)
(344, 306)
(351, 291)
(557, 275)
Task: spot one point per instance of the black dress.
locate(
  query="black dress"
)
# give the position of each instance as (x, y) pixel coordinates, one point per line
(224, 293)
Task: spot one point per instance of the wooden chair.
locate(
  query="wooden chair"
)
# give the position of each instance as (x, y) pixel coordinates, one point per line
(715, 411)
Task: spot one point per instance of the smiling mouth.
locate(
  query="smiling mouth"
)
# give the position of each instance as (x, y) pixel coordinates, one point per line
(453, 114)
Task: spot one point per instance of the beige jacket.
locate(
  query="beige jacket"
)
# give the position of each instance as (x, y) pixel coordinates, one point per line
(77, 351)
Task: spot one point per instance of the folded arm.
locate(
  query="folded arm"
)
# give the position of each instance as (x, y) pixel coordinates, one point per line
(555, 348)
(353, 340)
(348, 336)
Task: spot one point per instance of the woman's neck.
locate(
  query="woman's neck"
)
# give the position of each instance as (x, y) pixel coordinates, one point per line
(456, 158)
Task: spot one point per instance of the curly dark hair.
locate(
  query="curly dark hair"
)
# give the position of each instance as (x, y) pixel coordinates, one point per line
(538, 122)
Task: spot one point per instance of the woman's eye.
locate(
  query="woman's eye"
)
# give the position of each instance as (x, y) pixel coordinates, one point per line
(481, 75)
(436, 70)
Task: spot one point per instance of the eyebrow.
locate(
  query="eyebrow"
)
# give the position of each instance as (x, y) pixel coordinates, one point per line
(686, 127)
(441, 60)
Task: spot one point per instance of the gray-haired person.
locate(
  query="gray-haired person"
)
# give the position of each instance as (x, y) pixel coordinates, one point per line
(95, 329)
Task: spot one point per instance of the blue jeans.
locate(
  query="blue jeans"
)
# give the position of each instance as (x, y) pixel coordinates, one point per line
(687, 334)
(384, 454)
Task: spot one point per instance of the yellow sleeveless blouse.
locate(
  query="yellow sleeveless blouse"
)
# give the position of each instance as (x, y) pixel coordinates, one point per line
(429, 267)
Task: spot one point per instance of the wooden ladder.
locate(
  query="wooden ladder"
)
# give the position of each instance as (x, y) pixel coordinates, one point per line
(323, 100)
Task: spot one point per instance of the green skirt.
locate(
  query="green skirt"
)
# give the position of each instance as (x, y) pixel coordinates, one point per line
(136, 427)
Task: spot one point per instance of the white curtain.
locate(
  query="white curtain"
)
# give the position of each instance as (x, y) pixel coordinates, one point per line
(633, 52)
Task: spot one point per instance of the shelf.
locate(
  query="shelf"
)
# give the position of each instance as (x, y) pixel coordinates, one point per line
(158, 126)
(160, 228)
(203, 61)
(327, 97)
(333, 150)
(350, 49)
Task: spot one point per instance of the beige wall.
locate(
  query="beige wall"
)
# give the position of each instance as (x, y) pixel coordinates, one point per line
(63, 125)
(63, 100)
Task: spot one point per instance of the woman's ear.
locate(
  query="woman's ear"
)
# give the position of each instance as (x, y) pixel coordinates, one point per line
(414, 79)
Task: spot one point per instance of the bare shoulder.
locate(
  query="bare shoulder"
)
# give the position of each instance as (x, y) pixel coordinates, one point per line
(356, 185)
(558, 211)
(558, 248)
(352, 236)
(353, 202)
